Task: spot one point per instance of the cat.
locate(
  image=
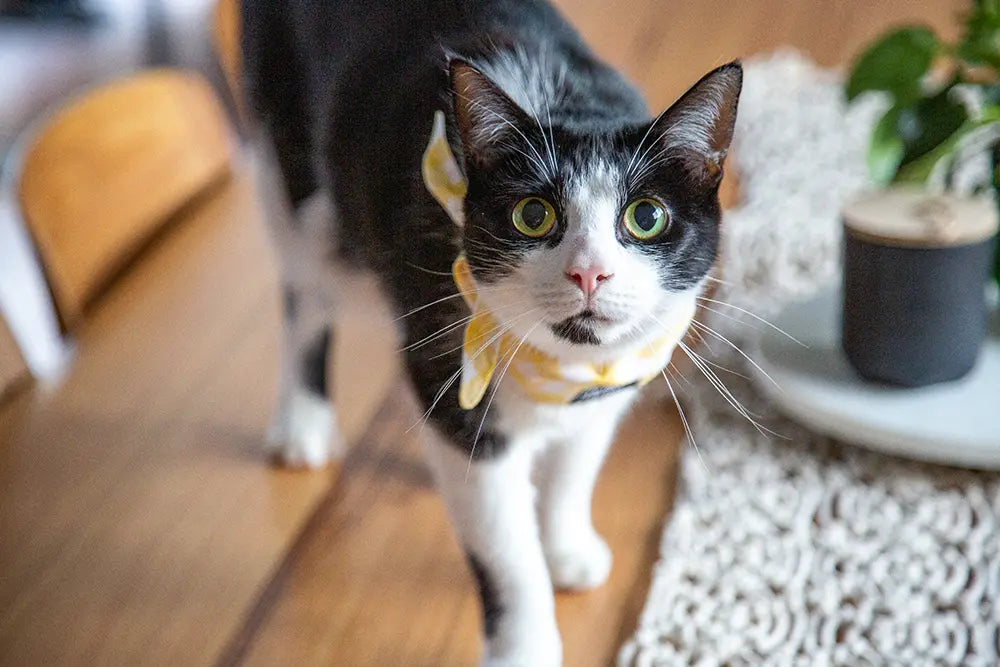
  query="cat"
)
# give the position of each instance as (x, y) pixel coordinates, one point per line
(533, 309)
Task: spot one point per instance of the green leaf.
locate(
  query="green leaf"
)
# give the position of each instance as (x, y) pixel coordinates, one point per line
(885, 150)
(980, 44)
(919, 170)
(928, 122)
(895, 64)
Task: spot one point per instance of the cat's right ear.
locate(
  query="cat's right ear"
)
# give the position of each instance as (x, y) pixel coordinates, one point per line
(487, 118)
(699, 127)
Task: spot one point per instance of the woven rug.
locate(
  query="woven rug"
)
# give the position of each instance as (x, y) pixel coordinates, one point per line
(797, 550)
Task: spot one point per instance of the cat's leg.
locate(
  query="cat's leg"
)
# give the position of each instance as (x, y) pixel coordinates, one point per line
(303, 430)
(578, 558)
(492, 506)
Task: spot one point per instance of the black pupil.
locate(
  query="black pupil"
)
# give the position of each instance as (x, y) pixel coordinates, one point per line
(646, 216)
(533, 214)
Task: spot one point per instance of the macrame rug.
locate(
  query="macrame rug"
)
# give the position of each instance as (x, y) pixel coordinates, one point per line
(797, 550)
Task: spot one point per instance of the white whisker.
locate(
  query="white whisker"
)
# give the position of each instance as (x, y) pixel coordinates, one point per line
(496, 388)
(754, 316)
(687, 427)
(736, 347)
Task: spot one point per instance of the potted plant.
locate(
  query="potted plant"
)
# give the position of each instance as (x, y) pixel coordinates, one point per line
(945, 101)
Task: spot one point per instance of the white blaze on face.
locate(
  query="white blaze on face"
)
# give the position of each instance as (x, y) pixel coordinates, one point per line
(630, 296)
(631, 285)
(590, 243)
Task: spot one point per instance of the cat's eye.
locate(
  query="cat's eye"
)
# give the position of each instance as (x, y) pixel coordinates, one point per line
(645, 219)
(534, 217)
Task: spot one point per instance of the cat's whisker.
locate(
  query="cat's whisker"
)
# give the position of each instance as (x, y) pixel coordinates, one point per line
(549, 149)
(440, 332)
(696, 358)
(724, 391)
(496, 388)
(664, 149)
(552, 138)
(753, 315)
(704, 342)
(720, 387)
(426, 270)
(448, 328)
(717, 382)
(485, 288)
(736, 347)
(648, 165)
(425, 417)
(680, 410)
(631, 162)
(684, 421)
(444, 388)
(723, 368)
(483, 335)
(676, 372)
(539, 162)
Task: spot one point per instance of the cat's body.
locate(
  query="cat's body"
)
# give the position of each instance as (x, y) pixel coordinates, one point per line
(344, 94)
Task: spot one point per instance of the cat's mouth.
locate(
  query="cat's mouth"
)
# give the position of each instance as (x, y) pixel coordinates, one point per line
(580, 328)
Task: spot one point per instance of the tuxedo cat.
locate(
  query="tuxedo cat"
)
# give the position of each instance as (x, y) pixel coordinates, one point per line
(542, 238)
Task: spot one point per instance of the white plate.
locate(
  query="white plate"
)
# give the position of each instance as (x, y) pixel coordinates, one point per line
(956, 423)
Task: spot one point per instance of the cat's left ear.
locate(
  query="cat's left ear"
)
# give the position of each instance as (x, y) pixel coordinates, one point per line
(698, 128)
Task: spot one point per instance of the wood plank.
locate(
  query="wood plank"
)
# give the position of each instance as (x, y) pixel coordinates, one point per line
(13, 372)
(138, 524)
(138, 515)
(380, 580)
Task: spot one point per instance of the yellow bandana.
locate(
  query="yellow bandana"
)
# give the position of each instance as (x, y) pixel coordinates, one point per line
(542, 378)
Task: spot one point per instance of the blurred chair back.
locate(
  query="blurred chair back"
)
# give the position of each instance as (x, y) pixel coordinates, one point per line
(226, 32)
(88, 187)
(109, 169)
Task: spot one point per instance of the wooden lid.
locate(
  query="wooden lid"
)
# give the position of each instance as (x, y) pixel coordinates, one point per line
(911, 217)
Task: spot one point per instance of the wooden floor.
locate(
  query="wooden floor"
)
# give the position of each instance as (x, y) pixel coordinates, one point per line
(139, 523)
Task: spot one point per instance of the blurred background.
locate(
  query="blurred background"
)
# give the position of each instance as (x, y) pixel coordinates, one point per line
(140, 522)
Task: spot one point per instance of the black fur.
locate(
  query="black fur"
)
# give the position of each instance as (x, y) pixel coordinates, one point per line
(575, 330)
(290, 303)
(491, 604)
(314, 366)
(347, 91)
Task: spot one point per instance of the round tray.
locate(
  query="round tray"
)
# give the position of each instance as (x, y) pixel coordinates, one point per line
(955, 423)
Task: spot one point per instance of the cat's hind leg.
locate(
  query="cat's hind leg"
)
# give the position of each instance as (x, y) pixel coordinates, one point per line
(303, 430)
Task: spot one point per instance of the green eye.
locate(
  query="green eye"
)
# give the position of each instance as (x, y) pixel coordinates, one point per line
(645, 219)
(534, 217)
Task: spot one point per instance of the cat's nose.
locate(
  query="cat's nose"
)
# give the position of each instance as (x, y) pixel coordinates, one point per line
(588, 279)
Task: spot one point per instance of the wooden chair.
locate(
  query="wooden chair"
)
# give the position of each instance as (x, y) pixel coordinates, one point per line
(226, 36)
(88, 188)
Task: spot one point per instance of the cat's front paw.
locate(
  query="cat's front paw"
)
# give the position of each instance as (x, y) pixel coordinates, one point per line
(579, 563)
(533, 647)
(304, 433)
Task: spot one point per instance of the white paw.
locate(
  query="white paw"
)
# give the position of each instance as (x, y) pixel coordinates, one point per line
(303, 433)
(533, 647)
(580, 563)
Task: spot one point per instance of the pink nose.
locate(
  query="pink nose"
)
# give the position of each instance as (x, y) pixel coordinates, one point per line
(589, 279)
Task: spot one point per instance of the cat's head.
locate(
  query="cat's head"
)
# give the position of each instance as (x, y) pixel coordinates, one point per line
(586, 240)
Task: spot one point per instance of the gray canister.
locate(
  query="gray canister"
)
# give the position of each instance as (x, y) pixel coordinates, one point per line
(915, 270)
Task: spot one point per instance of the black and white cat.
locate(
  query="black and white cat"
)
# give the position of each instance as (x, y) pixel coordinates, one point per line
(535, 307)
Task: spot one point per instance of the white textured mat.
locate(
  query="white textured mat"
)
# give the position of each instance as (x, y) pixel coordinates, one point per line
(801, 551)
